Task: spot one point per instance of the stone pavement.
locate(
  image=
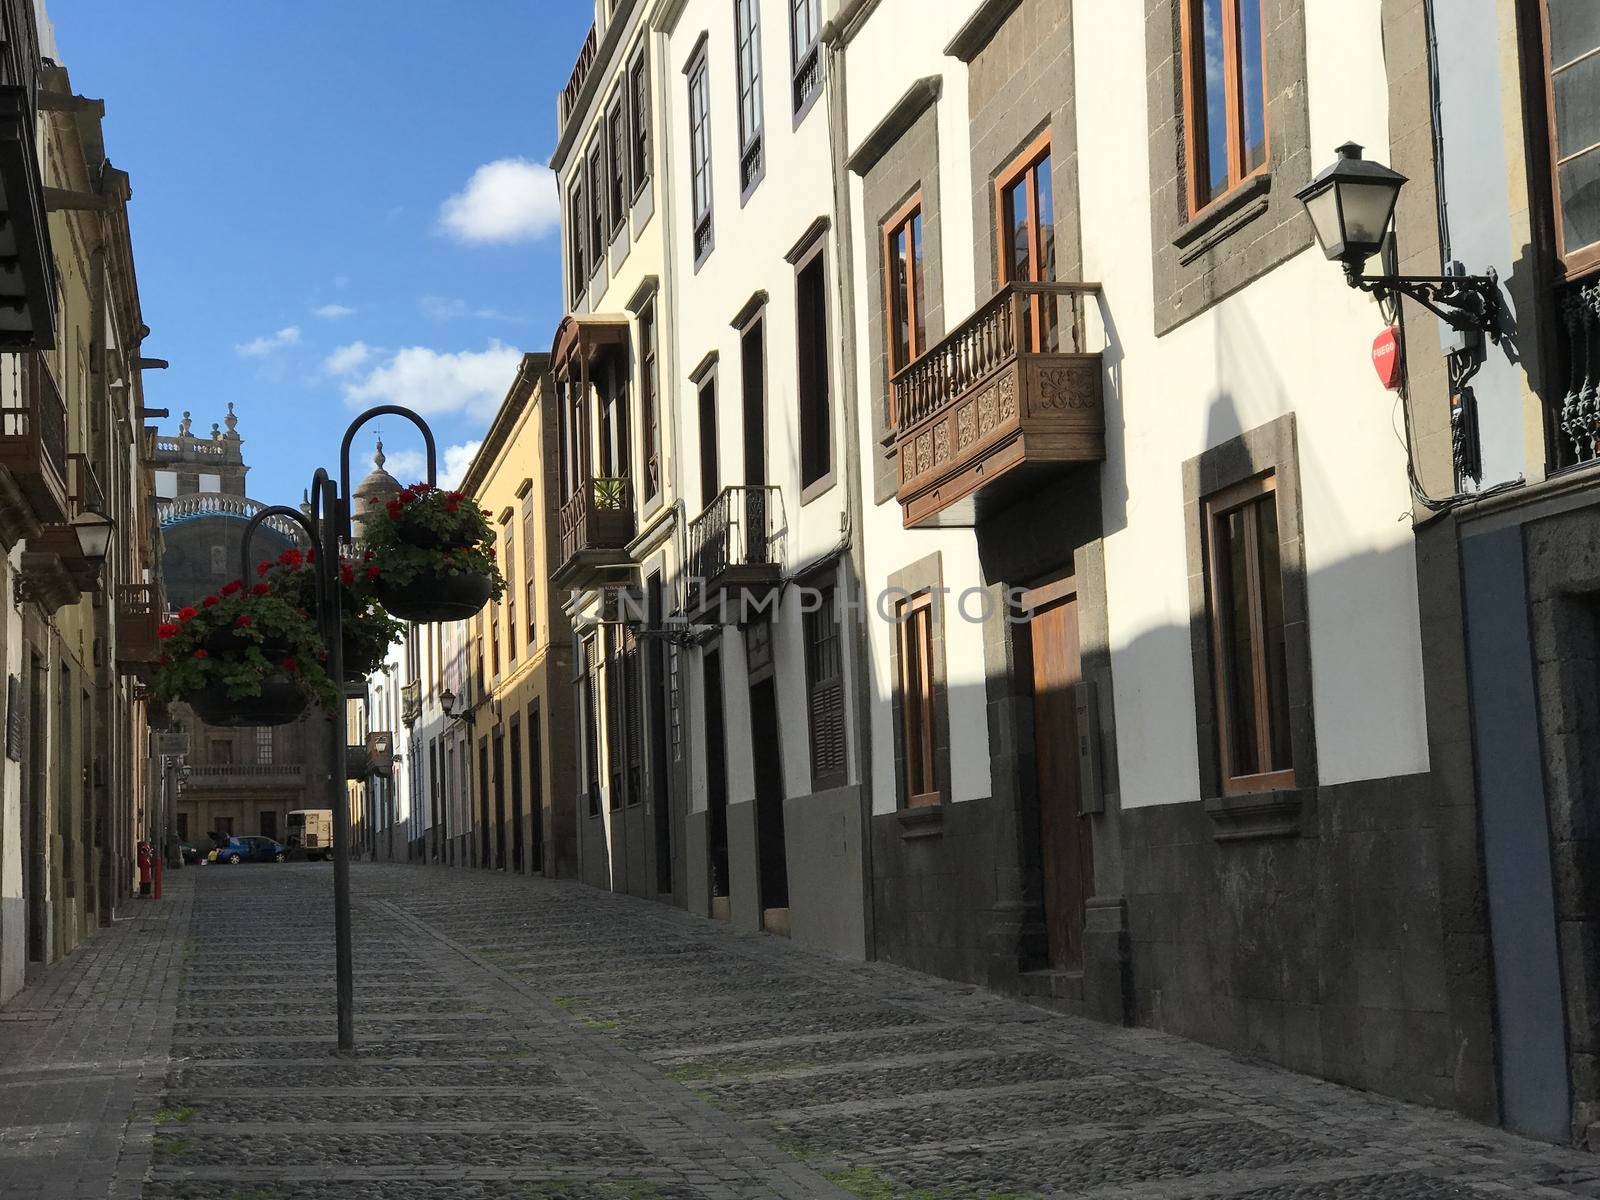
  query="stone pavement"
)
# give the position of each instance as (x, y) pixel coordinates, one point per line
(528, 1039)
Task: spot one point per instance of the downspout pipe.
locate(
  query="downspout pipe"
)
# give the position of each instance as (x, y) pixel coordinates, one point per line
(834, 38)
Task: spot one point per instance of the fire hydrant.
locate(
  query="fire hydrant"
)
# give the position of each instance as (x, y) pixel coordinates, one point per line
(144, 868)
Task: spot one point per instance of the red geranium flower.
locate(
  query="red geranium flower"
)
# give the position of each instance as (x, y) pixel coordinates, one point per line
(263, 567)
(491, 551)
(394, 507)
(232, 586)
(291, 557)
(186, 614)
(346, 575)
(166, 631)
(456, 496)
(450, 506)
(201, 654)
(261, 589)
(244, 621)
(165, 659)
(373, 572)
(406, 496)
(290, 665)
(211, 601)
(311, 556)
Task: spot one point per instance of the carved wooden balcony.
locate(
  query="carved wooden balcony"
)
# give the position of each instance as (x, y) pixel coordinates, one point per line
(579, 76)
(410, 701)
(33, 445)
(735, 555)
(138, 617)
(596, 524)
(1007, 402)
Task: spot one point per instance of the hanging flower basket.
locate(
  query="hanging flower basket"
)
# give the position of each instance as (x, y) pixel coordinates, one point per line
(430, 556)
(243, 657)
(368, 631)
(279, 701)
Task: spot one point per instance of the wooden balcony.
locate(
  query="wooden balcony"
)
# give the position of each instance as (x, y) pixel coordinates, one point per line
(735, 555)
(596, 524)
(1575, 420)
(579, 76)
(1009, 401)
(410, 701)
(33, 437)
(138, 615)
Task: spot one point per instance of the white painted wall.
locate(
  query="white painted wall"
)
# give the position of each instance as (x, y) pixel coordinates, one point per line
(1295, 341)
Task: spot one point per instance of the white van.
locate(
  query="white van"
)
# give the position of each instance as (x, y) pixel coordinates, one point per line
(311, 830)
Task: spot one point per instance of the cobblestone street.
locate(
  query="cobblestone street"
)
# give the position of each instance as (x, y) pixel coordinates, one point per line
(520, 1038)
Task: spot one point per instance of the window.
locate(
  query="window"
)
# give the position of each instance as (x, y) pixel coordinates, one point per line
(597, 205)
(709, 481)
(589, 701)
(263, 745)
(915, 633)
(639, 125)
(649, 383)
(753, 379)
(902, 268)
(1244, 583)
(492, 619)
(825, 688)
(1572, 81)
(747, 48)
(577, 227)
(508, 558)
(805, 53)
(700, 156)
(811, 336)
(219, 751)
(530, 607)
(617, 133)
(1225, 96)
(616, 719)
(1025, 210)
(166, 485)
(208, 482)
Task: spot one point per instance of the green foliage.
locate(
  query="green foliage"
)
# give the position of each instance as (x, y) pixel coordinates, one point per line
(369, 631)
(182, 1113)
(425, 531)
(261, 620)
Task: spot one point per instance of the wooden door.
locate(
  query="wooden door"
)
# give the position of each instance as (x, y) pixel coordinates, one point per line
(1066, 852)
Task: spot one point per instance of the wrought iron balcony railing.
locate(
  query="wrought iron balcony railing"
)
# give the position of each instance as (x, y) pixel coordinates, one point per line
(1011, 387)
(735, 546)
(1577, 419)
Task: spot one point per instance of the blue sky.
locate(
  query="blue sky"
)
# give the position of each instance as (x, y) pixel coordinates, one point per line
(329, 210)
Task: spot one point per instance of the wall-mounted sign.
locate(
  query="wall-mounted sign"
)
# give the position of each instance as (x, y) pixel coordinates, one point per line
(1388, 358)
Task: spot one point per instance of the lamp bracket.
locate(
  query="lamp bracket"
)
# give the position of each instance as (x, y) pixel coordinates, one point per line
(1464, 302)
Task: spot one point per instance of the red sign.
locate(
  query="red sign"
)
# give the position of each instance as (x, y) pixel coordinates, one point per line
(1387, 358)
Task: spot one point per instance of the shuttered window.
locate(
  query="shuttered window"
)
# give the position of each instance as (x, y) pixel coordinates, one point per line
(530, 605)
(825, 689)
(915, 632)
(633, 699)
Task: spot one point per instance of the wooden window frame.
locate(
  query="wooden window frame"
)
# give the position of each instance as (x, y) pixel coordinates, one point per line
(638, 87)
(804, 405)
(578, 225)
(650, 396)
(915, 620)
(755, 326)
(1582, 261)
(900, 219)
(616, 139)
(598, 186)
(1025, 164)
(800, 54)
(705, 386)
(508, 567)
(1247, 494)
(1192, 44)
(702, 225)
(751, 137)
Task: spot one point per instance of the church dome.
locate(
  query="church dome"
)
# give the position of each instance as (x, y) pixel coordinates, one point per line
(372, 492)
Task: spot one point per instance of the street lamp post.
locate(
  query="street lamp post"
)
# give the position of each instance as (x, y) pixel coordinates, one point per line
(327, 529)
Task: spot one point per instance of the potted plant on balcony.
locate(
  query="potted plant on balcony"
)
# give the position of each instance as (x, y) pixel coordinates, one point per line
(369, 631)
(430, 555)
(243, 657)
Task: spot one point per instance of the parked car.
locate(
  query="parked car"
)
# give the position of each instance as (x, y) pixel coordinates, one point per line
(249, 849)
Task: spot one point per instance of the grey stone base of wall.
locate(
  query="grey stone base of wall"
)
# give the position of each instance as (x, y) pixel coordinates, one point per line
(594, 855)
(744, 872)
(1327, 952)
(825, 840)
(697, 827)
(946, 902)
(13, 945)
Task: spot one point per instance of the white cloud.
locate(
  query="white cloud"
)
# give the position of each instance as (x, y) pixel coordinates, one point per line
(432, 381)
(409, 466)
(441, 308)
(347, 358)
(508, 200)
(260, 347)
(332, 312)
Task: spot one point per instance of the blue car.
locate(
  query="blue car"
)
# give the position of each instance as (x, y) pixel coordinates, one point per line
(249, 849)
